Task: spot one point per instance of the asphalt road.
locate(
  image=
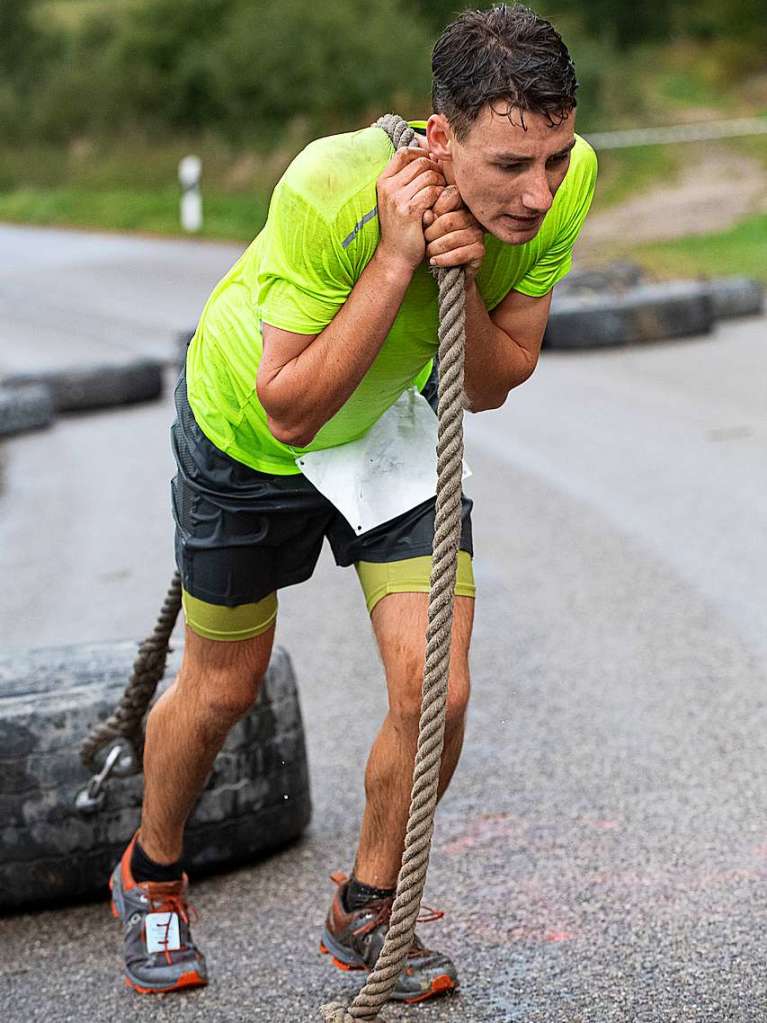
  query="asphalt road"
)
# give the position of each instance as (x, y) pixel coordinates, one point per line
(602, 853)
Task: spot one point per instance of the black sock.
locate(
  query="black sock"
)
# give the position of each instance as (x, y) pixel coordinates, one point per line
(144, 869)
(358, 894)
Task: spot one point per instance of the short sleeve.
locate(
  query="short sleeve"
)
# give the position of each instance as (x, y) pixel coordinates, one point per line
(304, 276)
(556, 260)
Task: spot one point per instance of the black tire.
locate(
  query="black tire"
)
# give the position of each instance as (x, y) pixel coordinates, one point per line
(736, 296)
(25, 408)
(613, 277)
(257, 797)
(91, 387)
(649, 312)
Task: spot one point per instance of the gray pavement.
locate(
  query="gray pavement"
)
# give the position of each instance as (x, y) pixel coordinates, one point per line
(602, 853)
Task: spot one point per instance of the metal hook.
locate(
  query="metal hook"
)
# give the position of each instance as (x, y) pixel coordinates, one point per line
(91, 798)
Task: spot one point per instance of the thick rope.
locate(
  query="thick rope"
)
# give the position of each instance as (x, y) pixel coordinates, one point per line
(447, 535)
(126, 722)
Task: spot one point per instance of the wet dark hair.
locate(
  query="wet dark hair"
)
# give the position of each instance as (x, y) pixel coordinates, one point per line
(506, 55)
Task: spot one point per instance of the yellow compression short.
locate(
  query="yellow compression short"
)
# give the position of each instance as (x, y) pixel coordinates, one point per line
(215, 621)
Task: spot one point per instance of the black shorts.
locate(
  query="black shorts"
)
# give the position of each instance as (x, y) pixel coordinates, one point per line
(243, 534)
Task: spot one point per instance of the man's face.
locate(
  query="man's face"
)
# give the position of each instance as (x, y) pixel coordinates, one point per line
(507, 176)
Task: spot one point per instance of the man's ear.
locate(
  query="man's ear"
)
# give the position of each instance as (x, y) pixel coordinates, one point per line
(439, 135)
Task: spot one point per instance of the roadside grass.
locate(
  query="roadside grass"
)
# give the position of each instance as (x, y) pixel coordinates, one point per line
(131, 185)
(739, 250)
(226, 216)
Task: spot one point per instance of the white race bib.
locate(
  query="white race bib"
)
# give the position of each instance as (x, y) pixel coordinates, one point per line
(386, 472)
(162, 934)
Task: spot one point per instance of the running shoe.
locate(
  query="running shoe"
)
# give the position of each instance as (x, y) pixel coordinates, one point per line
(354, 940)
(158, 950)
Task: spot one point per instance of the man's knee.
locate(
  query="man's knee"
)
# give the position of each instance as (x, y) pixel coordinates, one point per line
(406, 689)
(224, 679)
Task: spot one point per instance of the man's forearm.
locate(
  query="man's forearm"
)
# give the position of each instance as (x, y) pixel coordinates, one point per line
(494, 362)
(308, 391)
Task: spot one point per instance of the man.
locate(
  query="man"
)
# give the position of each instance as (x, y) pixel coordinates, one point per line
(305, 346)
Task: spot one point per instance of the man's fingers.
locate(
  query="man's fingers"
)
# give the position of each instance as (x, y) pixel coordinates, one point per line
(411, 174)
(449, 200)
(405, 165)
(400, 159)
(467, 255)
(424, 199)
(454, 240)
(459, 220)
(421, 181)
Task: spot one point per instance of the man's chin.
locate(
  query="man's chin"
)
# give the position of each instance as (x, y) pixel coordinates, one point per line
(514, 232)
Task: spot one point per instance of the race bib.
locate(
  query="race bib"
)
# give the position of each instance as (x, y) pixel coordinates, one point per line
(385, 473)
(162, 933)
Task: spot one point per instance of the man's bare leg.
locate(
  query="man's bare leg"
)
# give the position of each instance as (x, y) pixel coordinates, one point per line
(399, 622)
(216, 685)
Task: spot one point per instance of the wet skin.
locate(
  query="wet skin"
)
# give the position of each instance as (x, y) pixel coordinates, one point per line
(507, 175)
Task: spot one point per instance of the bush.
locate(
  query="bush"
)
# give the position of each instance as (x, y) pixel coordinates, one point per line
(244, 69)
(329, 66)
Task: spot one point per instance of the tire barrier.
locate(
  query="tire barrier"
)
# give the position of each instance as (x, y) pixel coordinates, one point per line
(616, 305)
(256, 799)
(648, 312)
(81, 389)
(27, 407)
(613, 277)
(736, 296)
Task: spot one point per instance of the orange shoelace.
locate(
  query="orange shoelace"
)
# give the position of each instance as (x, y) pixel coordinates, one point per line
(177, 904)
(426, 915)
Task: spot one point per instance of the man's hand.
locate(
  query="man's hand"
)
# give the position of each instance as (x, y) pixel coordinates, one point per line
(453, 236)
(409, 186)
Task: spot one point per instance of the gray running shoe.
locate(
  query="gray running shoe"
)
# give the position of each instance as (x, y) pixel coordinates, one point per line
(354, 941)
(158, 950)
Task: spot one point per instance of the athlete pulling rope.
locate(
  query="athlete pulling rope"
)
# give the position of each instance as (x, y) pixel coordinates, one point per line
(127, 720)
(315, 342)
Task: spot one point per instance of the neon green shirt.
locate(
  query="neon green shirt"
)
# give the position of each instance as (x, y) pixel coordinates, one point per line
(321, 231)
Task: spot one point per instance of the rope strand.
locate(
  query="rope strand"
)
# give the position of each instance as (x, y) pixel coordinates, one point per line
(447, 536)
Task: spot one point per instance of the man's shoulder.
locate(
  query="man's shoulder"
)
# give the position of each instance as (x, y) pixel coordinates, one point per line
(582, 172)
(331, 172)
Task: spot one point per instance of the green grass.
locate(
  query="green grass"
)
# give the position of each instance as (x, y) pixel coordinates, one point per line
(226, 216)
(740, 250)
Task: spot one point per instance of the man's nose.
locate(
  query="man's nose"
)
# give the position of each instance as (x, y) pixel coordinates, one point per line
(537, 196)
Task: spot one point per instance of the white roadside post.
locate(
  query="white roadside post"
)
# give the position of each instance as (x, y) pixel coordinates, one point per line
(189, 174)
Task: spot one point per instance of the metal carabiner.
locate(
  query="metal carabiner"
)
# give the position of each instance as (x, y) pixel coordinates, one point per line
(91, 798)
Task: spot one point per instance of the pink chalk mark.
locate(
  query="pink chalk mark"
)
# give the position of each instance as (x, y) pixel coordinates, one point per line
(558, 936)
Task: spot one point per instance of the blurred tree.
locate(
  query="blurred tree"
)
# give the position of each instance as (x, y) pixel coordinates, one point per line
(246, 68)
(19, 37)
(161, 61)
(627, 24)
(437, 13)
(325, 64)
(721, 19)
